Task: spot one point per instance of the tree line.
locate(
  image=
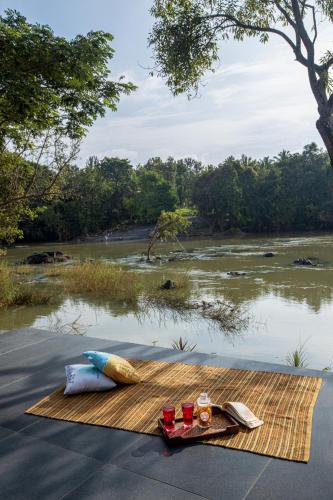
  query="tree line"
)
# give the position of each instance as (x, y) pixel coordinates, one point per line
(290, 192)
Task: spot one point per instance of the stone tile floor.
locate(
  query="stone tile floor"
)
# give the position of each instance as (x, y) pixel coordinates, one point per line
(49, 459)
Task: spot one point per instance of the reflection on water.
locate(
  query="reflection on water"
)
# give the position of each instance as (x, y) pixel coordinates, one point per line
(288, 304)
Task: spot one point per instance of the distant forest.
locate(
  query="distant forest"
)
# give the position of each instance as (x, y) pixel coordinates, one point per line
(290, 192)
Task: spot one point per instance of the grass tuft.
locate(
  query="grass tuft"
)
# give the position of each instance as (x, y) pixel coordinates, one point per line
(298, 357)
(183, 345)
(177, 298)
(16, 293)
(110, 280)
(7, 285)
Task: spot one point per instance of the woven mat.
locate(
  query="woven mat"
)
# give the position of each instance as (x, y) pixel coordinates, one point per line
(284, 402)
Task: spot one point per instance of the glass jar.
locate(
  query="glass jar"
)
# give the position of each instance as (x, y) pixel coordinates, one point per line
(204, 410)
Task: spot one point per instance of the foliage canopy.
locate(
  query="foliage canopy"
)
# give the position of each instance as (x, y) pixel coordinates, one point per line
(187, 34)
(51, 90)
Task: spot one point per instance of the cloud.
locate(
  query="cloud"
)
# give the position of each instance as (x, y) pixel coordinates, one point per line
(257, 106)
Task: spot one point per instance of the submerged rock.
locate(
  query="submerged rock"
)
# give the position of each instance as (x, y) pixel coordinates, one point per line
(168, 285)
(303, 261)
(269, 254)
(236, 273)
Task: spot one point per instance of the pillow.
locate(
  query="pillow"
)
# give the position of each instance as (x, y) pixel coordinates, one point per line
(114, 367)
(86, 378)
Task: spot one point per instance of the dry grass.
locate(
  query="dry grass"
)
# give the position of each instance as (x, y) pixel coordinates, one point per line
(7, 285)
(114, 283)
(178, 298)
(24, 270)
(183, 301)
(230, 318)
(101, 278)
(14, 292)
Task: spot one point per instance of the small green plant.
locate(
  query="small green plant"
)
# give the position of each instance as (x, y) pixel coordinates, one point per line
(183, 345)
(329, 367)
(298, 357)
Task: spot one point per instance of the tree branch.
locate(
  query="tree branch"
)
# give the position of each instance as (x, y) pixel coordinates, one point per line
(246, 26)
(285, 13)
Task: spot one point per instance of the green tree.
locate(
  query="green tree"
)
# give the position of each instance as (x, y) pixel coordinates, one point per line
(167, 227)
(154, 195)
(187, 170)
(119, 174)
(52, 90)
(187, 33)
(218, 194)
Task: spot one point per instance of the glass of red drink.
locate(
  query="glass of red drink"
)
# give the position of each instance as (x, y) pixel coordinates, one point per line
(187, 409)
(169, 417)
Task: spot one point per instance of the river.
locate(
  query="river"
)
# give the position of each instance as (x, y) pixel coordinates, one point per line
(288, 305)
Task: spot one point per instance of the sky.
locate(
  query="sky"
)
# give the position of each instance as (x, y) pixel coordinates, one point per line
(258, 102)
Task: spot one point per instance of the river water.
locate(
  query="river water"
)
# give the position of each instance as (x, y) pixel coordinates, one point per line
(288, 305)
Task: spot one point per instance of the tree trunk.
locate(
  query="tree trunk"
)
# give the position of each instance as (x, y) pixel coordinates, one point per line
(325, 128)
(150, 246)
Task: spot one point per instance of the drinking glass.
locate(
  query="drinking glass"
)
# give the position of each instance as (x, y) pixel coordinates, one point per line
(169, 417)
(187, 409)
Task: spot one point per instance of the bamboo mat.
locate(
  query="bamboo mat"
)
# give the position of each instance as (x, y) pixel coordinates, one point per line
(284, 402)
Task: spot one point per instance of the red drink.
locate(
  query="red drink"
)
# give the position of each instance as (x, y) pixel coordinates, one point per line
(169, 417)
(188, 414)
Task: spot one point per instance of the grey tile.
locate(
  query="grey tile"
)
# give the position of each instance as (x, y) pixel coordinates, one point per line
(210, 471)
(102, 443)
(38, 357)
(116, 483)
(32, 469)
(16, 397)
(4, 433)
(19, 339)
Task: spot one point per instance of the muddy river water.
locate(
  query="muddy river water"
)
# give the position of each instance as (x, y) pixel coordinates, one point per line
(287, 304)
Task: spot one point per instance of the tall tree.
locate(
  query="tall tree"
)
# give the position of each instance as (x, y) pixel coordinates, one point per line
(187, 34)
(119, 173)
(154, 194)
(51, 90)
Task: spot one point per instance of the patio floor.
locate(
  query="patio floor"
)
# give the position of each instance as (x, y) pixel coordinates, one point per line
(43, 458)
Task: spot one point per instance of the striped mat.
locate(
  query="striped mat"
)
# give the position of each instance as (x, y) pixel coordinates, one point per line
(284, 402)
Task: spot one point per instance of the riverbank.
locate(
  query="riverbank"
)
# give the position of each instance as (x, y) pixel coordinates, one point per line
(201, 227)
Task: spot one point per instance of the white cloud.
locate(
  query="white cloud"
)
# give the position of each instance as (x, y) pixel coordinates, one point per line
(255, 106)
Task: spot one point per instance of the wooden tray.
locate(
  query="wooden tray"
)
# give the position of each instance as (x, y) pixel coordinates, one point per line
(222, 424)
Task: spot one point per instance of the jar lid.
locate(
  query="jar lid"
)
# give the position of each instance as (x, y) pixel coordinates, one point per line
(203, 398)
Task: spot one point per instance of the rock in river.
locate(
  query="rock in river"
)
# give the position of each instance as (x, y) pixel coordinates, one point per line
(303, 261)
(236, 273)
(168, 285)
(46, 258)
(269, 254)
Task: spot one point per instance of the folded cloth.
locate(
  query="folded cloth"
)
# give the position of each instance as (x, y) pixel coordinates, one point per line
(240, 412)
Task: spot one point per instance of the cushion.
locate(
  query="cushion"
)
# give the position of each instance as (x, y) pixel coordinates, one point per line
(86, 378)
(114, 367)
